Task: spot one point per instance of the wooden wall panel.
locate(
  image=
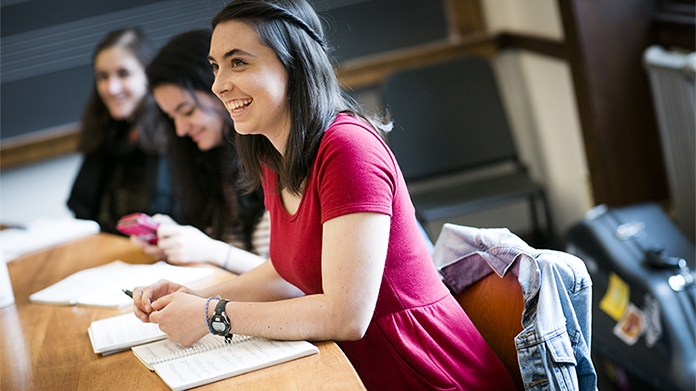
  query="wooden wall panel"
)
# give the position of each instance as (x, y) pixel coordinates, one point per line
(605, 41)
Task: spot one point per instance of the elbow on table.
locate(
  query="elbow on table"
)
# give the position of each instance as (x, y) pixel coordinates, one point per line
(351, 330)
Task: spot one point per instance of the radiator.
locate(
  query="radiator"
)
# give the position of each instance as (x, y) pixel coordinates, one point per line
(671, 77)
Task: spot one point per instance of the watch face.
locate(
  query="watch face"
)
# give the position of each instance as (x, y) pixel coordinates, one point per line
(219, 327)
(219, 324)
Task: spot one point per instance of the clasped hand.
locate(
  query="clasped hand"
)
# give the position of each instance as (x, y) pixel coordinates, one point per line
(176, 309)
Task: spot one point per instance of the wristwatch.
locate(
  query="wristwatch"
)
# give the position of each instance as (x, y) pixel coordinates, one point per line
(219, 323)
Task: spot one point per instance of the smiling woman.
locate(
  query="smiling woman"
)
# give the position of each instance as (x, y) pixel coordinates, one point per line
(215, 220)
(347, 260)
(121, 138)
(197, 114)
(121, 81)
(251, 82)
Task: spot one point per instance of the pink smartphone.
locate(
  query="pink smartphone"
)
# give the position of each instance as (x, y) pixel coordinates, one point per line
(140, 225)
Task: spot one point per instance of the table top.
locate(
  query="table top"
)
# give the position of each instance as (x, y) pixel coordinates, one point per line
(46, 347)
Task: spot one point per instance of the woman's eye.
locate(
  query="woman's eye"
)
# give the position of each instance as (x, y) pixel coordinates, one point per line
(189, 112)
(237, 63)
(214, 67)
(123, 73)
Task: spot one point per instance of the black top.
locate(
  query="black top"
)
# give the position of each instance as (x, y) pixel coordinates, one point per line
(120, 178)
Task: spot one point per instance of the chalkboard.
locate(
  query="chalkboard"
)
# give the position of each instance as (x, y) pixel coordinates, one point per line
(47, 45)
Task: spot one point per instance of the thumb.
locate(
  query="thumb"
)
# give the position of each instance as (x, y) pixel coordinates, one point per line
(162, 302)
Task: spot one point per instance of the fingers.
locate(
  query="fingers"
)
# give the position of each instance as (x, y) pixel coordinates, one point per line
(155, 318)
(167, 230)
(163, 219)
(162, 302)
(155, 252)
(141, 305)
(144, 296)
(137, 242)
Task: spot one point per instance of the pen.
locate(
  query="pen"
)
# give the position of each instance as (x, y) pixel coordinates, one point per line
(129, 293)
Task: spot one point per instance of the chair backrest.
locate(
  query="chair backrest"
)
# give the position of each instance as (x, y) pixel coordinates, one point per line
(448, 117)
(495, 307)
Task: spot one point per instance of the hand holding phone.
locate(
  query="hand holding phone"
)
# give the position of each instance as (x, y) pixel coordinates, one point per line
(140, 225)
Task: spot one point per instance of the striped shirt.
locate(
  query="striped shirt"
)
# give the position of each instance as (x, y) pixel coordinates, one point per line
(260, 239)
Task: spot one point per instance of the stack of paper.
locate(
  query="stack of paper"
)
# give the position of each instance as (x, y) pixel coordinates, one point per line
(121, 332)
(102, 286)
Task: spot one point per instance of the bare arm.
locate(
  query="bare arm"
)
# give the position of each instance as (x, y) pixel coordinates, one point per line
(353, 259)
(184, 244)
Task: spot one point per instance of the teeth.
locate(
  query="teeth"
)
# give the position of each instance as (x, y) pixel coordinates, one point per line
(237, 104)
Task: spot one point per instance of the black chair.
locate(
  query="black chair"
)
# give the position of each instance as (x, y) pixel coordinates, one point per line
(453, 143)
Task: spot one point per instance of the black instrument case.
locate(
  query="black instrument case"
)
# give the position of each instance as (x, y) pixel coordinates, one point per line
(644, 297)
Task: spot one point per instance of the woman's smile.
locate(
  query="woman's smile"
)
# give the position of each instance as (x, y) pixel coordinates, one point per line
(250, 81)
(237, 105)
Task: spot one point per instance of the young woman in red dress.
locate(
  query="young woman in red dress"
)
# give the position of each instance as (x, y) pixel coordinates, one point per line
(347, 260)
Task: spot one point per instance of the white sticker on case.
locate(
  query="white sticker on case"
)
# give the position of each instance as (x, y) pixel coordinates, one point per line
(653, 326)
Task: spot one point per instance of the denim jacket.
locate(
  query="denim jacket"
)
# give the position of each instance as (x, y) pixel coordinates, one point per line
(553, 349)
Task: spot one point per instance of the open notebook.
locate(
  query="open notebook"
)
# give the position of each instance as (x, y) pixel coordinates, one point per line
(211, 359)
(101, 286)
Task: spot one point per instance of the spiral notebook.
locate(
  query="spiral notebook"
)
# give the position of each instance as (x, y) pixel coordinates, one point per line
(211, 359)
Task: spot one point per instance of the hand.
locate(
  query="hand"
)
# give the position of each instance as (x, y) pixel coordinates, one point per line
(150, 249)
(163, 219)
(144, 296)
(181, 316)
(184, 244)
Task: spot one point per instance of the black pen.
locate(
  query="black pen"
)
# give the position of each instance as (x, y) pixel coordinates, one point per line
(129, 293)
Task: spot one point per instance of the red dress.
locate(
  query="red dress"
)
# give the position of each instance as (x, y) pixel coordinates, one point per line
(419, 337)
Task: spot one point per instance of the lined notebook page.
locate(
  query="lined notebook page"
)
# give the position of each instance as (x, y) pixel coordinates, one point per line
(211, 359)
(166, 350)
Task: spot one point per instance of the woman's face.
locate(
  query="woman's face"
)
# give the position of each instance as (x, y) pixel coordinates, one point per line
(200, 118)
(251, 82)
(121, 81)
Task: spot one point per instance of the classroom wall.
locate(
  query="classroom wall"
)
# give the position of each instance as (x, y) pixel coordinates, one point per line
(540, 98)
(37, 190)
(47, 45)
(46, 67)
(537, 90)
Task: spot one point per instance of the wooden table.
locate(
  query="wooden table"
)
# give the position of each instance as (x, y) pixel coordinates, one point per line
(46, 347)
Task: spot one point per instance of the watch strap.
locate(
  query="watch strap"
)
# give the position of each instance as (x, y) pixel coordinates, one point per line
(220, 308)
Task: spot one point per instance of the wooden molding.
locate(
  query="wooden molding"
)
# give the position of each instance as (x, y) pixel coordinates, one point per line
(41, 146)
(464, 17)
(371, 71)
(354, 74)
(540, 45)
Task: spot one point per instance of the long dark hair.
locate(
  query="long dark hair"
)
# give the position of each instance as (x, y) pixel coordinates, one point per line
(209, 197)
(96, 118)
(293, 30)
